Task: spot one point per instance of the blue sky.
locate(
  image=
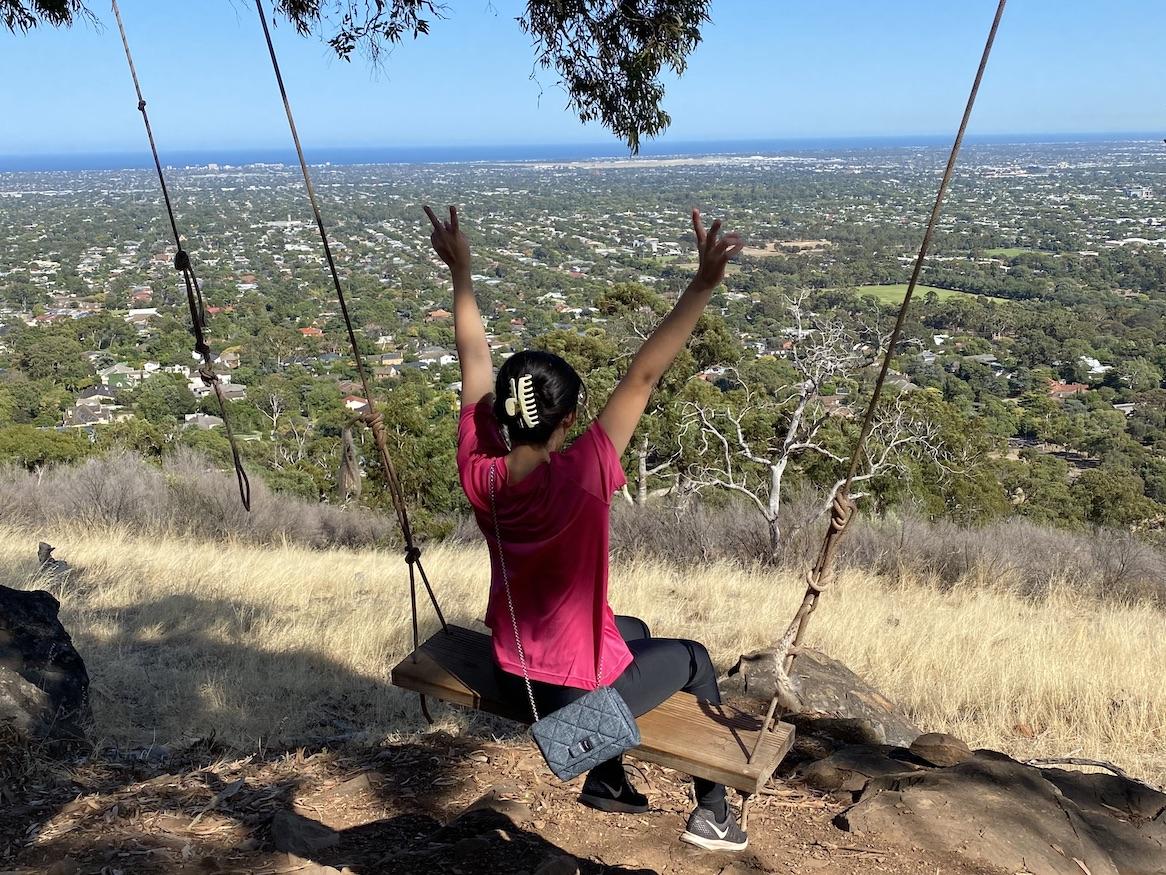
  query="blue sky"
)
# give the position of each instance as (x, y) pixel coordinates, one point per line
(766, 69)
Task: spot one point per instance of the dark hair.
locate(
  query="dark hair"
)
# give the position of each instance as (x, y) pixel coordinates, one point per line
(557, 388)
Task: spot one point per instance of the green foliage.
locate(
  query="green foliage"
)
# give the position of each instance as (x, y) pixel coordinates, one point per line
(135, 435)
(27, 14)
(33, 447)
(610, 56)
(1110, 497)
(54, 356)
(1140, 374)
(1038, 488)
(293, 481)
(164, 398)
(27, 402)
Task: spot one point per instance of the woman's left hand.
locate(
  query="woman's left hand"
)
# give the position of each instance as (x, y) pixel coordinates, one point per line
(449, 242)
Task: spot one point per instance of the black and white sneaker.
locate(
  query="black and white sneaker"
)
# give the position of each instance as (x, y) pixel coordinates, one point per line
(621, 796)
(705, 831)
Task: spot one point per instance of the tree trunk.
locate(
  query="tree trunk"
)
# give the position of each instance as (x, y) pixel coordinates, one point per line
(642, 472)
(774, 538)
(773, 510)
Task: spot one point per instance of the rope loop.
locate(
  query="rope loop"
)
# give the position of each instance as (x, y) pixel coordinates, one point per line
(413, 555)
(814, 584)
(842, 513)
(207, 374)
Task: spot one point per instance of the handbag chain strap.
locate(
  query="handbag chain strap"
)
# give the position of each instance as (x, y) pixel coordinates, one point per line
(510, 599)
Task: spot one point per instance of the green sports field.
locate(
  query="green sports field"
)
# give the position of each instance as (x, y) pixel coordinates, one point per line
(1008, 251)
(893, 293)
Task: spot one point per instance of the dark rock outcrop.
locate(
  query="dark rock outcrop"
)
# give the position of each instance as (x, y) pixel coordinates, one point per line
(44, 688)
(994, 810)
(849, 769)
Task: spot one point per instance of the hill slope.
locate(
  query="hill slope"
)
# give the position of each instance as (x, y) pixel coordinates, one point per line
(271, 646)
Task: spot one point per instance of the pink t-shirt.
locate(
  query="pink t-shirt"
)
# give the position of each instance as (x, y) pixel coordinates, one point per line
(555, 531)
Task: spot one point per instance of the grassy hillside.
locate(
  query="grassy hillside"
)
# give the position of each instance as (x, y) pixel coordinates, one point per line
(266, 645)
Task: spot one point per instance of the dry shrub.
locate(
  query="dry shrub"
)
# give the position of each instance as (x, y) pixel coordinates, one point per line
(186, 496)
(1013, 554)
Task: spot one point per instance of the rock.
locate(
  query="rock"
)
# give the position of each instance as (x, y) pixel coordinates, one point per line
(941, 749)
(833, 701)
(995, 811)
(1129, 818)
(295, 834)
(847, 770)
(500, 799)
(558, 865)
(47, 565)
(44, 687)
(831, 690)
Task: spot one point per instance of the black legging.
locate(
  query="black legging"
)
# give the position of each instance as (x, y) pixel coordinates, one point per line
(659, 668)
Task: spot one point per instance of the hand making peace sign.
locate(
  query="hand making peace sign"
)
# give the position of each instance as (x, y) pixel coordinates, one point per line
(715, 251)
(448, 241)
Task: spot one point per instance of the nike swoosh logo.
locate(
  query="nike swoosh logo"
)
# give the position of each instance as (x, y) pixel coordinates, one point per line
(615, 794)
(721, 833)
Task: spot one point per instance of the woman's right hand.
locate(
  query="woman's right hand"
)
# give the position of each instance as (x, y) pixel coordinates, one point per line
(715, 251)
(449, 242)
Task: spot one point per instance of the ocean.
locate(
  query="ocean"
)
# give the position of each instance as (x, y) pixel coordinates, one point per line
(493, 153)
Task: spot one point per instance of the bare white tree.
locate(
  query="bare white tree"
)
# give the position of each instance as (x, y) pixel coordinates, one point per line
(292, 447)
(272, 405)
(747, 447)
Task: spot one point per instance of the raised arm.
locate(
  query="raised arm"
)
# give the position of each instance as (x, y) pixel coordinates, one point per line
(623, 410)
(473, 350)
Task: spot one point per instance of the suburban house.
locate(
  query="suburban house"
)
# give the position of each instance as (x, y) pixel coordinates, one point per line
(1060, 391)
(121, 376)
(203, 421)
(355, 403)
(436, 355)
(140, 317)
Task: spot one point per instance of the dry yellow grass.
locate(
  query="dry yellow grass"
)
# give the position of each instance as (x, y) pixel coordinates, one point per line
(270, 646)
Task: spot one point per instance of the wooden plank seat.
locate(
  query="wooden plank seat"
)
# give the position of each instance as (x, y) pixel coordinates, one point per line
(694, 737)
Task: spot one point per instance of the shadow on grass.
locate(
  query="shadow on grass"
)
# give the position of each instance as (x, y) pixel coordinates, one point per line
(203, 806)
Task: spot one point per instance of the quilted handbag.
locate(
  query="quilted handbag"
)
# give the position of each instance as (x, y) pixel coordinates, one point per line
(594, 728)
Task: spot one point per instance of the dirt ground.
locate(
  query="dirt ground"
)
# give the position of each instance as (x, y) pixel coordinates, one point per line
(394, 808)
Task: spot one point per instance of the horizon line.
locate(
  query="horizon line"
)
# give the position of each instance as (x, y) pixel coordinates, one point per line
(582, 150)
(614, 144)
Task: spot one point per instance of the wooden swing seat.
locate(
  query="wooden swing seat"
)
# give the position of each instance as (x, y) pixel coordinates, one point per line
(707, 741)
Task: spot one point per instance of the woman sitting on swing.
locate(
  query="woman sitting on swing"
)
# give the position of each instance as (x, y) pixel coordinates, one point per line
(553, 506)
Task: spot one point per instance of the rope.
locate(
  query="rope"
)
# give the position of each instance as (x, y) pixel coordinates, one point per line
(194, 298)
(844, 511)
(371, 417)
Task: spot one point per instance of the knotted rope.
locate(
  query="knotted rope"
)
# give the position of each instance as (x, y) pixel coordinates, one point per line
(194, 299)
